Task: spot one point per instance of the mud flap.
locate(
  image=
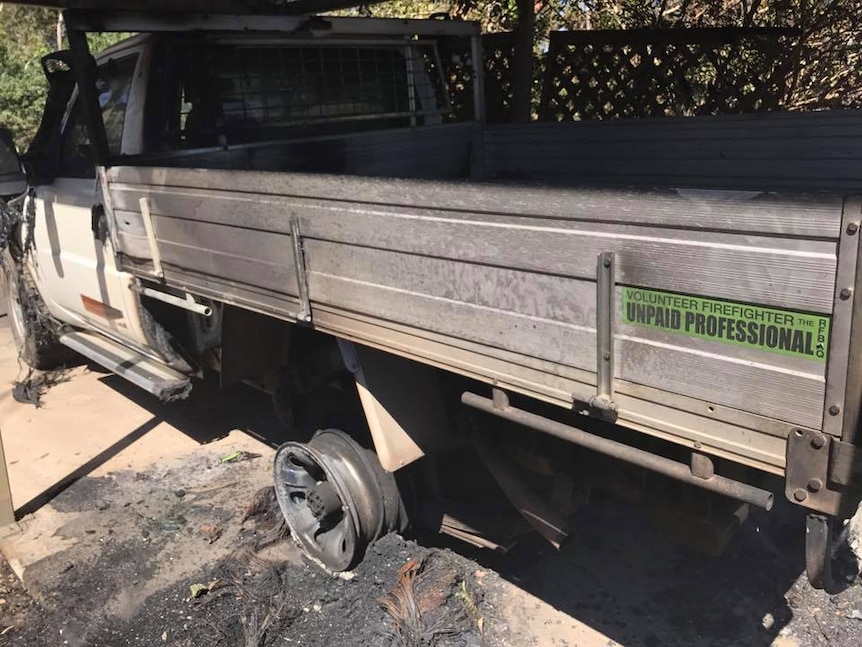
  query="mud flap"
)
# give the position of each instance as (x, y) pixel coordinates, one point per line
(818, 552)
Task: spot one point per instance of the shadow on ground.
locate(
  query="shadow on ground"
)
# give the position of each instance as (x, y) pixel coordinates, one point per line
(623, 578)
(209, 413)
(619, 576)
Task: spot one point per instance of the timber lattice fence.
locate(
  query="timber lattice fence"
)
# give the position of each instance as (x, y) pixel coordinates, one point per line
(663, 72)
(636, 73)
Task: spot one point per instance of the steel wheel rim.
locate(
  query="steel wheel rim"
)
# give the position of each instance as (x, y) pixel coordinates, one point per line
(335, 497)
(328, 497)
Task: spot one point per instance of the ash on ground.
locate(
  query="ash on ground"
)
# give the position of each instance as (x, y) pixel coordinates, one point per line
(401, 595)
(172, 556)
(256, 602)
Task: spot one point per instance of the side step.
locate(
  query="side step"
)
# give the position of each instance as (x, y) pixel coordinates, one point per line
(149, 374)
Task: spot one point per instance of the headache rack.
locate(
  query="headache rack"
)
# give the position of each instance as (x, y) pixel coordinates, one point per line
(258, 79)
(249, 89)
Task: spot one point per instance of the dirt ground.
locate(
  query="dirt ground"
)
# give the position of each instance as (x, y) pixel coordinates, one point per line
(146, 544)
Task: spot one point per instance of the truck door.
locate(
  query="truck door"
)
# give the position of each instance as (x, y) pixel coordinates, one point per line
(74, 259)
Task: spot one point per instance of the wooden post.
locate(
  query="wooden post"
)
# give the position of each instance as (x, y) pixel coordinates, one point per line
(7, 510)
(61, 30)
(522, 72)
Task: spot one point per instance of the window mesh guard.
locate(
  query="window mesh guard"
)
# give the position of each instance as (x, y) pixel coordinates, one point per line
(273, 87)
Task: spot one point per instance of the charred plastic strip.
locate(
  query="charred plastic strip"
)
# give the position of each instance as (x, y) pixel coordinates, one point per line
(667, 467)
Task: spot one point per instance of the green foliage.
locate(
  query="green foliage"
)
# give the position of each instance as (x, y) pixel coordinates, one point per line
(99, 42)
(26, 35)
(494, 15)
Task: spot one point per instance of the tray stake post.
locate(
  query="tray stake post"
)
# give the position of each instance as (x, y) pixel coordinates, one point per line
(603, 401)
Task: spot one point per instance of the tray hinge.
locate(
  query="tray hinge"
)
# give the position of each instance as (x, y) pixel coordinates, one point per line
(823, 474)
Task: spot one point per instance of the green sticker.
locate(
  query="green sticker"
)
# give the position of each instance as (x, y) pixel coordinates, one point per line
(775, 331)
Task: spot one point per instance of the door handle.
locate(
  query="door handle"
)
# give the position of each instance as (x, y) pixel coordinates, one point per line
(98, 223)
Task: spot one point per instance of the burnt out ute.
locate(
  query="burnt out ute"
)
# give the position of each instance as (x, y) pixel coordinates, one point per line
(464, 326)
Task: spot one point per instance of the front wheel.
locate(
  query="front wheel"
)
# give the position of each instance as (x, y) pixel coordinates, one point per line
(33, 330)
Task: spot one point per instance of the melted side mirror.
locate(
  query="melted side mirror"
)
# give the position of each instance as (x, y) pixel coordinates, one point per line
(12, 179)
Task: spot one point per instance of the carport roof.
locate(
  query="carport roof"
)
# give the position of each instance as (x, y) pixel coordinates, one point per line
(203, 6)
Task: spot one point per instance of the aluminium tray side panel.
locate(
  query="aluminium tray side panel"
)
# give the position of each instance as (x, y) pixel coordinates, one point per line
(510, 271)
